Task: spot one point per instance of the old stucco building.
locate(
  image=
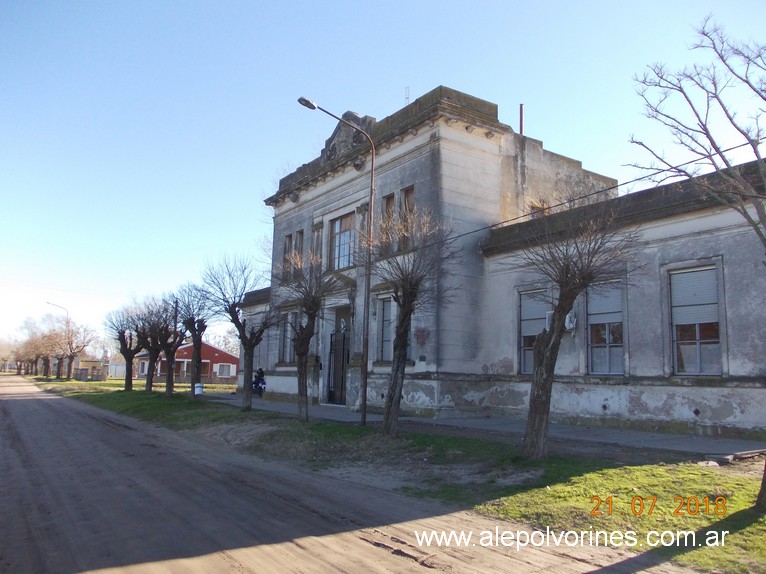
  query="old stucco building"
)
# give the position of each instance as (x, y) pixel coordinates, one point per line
(447, 152)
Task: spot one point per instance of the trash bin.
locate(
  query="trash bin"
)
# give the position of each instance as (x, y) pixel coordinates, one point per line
(198, 389)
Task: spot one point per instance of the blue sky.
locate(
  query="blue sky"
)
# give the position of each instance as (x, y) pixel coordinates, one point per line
(138, 139)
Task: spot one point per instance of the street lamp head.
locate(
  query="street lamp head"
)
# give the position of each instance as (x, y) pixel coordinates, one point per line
(307, 103)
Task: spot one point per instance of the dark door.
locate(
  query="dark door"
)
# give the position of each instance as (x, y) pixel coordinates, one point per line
(339, 356)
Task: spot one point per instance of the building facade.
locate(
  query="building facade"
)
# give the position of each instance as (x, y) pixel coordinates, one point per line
(469, 354)
(675, 343)
(218, 366)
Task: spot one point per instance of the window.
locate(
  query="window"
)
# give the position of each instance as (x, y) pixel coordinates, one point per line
(605, 341)
(408, 210)
(287, 266)
(298, 260)
(389, 213)
(539, 208)
(224, 370)
(293, 250)
(316, 241)
(386, 347)
(286, 349)
(408, 200)
(534, 307)
(342, 241)
(389, 207)
(298, 243)
(694, 314)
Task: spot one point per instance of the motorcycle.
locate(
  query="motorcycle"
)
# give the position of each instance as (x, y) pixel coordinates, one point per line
(259, 383)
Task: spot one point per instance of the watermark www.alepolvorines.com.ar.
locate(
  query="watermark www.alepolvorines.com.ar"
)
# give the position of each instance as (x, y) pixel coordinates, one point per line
(539, 538)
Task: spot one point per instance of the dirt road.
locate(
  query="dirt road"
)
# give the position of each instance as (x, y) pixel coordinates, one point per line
(82, 489)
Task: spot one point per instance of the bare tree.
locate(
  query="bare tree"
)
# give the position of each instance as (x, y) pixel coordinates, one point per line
(78, 338)
(575, 250)
(7, 349)
(195, 311)
(227, 283)
(171, 335)
(227, 341)
(34, 348)
(714, 111)
(305, 285)
(149, 325)
(409, 250)
(123, 326)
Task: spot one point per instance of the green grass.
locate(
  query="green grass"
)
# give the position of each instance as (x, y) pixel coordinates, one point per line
(177, 411)
(569, 503)
(557, 493)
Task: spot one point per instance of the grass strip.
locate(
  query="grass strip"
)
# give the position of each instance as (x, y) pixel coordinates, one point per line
(561, 493)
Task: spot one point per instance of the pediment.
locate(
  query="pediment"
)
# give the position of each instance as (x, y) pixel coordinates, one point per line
(345, 138)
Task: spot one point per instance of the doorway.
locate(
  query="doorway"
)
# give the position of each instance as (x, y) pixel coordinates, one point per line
(340, 353)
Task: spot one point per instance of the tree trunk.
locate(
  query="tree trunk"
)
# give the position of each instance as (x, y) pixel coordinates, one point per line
(760, 502)
(546, 352)
(302, 343)
(196, 328)
(536, 433)
(303, 394)
(247, 375)
(150, 368)
(396, 384)
(170, 375)
(196, 363)
(128, 372)
(69, 367)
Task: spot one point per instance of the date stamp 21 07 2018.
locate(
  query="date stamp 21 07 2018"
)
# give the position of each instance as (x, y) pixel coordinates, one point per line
(639, 505)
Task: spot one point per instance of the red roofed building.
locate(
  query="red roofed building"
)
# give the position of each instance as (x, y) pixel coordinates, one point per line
(217, 365)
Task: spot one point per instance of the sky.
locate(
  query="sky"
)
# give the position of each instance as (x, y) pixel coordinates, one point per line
(138, 139)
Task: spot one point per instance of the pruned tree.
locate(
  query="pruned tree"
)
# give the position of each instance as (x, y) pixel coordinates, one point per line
(149, 325)
(171, 335)
(574, 250)
(7, 350)
(45, 344)
(305, 285)
(715, 110)
(78, 338)
(227, 283)
(123, 326)
(409, 250)
(195, 312)
(57, 339)
(33, 348)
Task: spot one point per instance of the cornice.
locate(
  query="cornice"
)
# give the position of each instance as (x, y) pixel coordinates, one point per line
(442, 104)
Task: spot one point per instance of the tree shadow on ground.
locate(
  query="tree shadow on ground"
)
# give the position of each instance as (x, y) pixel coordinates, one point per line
(659, 555)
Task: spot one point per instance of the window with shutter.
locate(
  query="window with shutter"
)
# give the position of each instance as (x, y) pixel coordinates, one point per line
(534, 307)
(605, 339)
(695, 327)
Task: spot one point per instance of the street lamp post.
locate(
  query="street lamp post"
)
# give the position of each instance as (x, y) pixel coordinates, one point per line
(368, 257)
(60, 307)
